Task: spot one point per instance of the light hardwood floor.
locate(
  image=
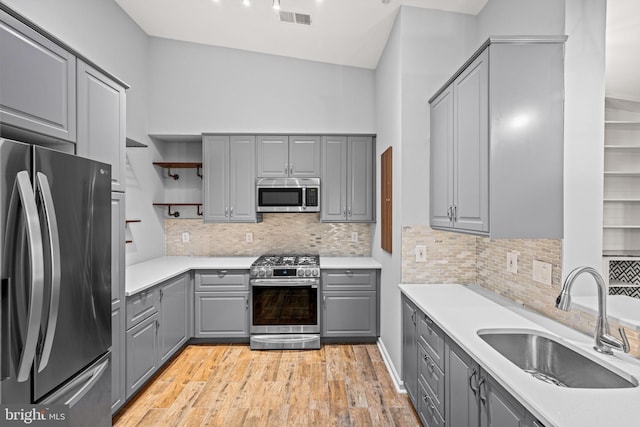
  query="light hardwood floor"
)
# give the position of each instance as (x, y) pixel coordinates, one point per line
(229, 385)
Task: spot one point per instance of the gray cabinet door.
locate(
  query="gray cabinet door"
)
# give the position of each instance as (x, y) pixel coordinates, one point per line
(37, 82)
(118, 265)
(102, 121)
(173, 325)
(242, 179)
(410, 349)
(462, 404)
(118, 394)
(441, 159)
(142, 353)
(273, 156)
(471, 167)
(360, 176)
(304, 156)
(349, 314)
(333, 180)
(215, 186)
(222, 314)
(500, 409)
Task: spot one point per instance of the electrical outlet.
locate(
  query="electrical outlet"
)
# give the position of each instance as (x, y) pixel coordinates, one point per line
(541, 272)
(354, 236)
(421, 253)
(512, 262)
(185, 237)
(248, 237)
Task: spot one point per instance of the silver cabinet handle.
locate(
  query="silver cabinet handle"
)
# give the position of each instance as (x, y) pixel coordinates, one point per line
(482, 385)
(44, 191)
(290, 169)
(231, 212)
(450, 213)
(344, 212)
(349, 211)
(476, 388)
(226, 212)
(455, 213)
(222, 273)
(246, 303)
(161, 294)
(22, 193)
(286, 168)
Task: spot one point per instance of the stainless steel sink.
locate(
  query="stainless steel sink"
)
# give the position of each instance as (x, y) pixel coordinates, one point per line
(546, 358)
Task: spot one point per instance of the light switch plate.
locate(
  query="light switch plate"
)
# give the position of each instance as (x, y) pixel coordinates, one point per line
(512, 262)
(421, 253)
(248, 237)
(185, 237)
(541, 272)
(354, 236)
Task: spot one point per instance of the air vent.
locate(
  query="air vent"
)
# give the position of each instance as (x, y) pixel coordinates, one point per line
(295, 18)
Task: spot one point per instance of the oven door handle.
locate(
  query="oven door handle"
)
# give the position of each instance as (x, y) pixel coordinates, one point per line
(288, 283)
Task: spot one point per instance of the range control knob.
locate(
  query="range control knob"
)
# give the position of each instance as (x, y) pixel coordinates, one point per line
(314, 272)
(269, 272)
(262, 272)
(307, 273)
(254, 272)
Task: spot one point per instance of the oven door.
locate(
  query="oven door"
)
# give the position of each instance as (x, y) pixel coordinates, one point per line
(284, 306)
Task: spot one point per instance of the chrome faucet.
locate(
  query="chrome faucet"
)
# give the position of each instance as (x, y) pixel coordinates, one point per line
(604, 341)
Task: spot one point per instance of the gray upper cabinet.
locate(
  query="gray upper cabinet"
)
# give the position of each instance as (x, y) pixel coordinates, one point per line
(229, 178)
(102, 121)
(347, 179)
(497, 141)
(288, 156)
(37, 82)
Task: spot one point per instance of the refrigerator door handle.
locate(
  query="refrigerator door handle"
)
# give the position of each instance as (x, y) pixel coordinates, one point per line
(23, 192)
(73, 393)
(44, 190)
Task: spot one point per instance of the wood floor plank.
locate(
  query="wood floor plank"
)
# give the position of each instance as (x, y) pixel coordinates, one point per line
(229, 385)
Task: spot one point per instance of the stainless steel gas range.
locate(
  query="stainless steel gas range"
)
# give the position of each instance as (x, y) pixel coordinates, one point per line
(284, 302)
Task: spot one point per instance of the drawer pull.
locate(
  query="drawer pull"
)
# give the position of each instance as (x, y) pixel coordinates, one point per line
(471, 377)
(222, 273)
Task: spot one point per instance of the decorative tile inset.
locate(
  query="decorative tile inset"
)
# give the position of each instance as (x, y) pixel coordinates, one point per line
(624, 271)
(630, 291)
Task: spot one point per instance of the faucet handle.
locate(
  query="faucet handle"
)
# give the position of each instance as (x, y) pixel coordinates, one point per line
(625, 341)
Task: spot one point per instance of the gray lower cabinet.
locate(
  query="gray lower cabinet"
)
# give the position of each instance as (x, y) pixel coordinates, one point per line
(282, 156)
(38, 83)
(102, 121)
(173, 317)
(410, 349)
(446, 385)
(157, 327)
(118, 358)
(349, 303)
(229, 178)
(142, 353)
(221, 304)
(347, 179)
(486, 148)
(222, 314)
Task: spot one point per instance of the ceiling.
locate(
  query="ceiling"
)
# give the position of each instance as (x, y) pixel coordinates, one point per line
(350, 32)
(347, 32)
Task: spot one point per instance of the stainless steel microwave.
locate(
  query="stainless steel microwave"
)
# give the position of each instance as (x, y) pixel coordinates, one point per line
(288, 194)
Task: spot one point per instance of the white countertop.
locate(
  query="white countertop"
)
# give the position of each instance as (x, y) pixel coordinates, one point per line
(461, 312)
(150, 273)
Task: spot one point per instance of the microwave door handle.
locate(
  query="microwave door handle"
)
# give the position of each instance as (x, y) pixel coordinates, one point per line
(23, 192)
(304, 198)
(44, 190)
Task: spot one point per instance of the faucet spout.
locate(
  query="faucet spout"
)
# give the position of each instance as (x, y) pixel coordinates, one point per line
(604, 341)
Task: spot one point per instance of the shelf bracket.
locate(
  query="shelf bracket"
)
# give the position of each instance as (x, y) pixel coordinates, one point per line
(175, 214)
(199, 173)
(200, 213)
(174, 175)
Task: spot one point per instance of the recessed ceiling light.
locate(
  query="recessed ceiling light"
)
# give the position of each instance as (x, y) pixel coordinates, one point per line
(246, 3)
(276, 4)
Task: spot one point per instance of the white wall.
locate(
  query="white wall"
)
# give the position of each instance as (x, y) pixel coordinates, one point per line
(424, 48)
(521, 17)
(198, 88)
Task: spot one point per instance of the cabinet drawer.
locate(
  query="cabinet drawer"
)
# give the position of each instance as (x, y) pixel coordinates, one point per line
(361, 280)
(432, 338)
(427, 409)
(222, 280)
(432, 377)
(140, 306)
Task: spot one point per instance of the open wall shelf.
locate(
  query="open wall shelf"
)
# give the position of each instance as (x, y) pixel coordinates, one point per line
(176, 214)
(180, 165)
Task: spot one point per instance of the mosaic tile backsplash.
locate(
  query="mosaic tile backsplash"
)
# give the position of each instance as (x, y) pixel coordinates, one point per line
(278, 233)
(624, 277)
(458, 258)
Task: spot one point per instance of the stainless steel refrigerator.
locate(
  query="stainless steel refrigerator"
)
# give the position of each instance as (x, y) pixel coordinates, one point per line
(55, 261)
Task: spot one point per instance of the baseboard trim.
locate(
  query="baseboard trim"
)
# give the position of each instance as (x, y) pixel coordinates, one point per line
(395, 377)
